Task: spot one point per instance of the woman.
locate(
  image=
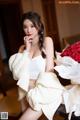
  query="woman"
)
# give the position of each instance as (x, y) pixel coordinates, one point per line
(35, 78)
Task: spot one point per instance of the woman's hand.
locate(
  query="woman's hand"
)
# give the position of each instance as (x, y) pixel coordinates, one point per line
(28, 43)
(32, 83)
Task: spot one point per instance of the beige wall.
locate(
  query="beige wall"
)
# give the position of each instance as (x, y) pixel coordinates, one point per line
(68, 18)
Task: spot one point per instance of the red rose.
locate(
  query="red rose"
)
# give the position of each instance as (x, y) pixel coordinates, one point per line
(73, 51)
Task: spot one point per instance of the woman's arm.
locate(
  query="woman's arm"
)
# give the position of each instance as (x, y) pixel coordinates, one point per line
(49, 49)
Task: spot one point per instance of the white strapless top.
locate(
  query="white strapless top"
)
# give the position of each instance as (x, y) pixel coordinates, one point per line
(37, 65)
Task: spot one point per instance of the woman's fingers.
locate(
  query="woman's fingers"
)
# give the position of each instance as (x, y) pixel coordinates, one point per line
(27, 42)
(27, 39)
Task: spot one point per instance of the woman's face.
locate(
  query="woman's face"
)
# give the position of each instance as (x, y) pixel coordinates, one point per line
(30, 30)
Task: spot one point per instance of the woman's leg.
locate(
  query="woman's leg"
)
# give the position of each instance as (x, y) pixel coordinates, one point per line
(24, 104)
(22, 99)
(31, 115)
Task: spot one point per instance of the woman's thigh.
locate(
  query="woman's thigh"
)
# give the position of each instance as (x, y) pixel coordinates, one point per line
(31, 114)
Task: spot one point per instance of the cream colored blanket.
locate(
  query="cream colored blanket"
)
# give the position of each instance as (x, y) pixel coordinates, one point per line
(19, 66)
(70, 69)
(47, 94)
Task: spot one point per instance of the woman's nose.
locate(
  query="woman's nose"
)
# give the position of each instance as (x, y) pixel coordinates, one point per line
(29, 29)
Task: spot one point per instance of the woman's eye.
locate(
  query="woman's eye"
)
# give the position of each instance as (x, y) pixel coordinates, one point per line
(24, 27)
(32, 26)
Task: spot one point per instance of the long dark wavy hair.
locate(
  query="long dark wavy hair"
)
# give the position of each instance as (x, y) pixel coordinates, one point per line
(36, 20)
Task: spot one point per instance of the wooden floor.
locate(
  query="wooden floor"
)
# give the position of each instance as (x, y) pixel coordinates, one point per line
(11, 105)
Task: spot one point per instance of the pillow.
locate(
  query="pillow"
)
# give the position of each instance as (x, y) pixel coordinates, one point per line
(72, 51)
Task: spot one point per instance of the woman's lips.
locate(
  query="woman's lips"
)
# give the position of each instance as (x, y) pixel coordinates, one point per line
(29, 34)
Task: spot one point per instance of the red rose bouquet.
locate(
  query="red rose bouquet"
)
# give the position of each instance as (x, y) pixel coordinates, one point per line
(72, 51)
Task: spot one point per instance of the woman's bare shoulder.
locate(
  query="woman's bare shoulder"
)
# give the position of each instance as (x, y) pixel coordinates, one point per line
(48, 38)
(48, 41)
(21, 48)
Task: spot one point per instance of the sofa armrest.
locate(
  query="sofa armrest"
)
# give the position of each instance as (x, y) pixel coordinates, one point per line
(66, 41)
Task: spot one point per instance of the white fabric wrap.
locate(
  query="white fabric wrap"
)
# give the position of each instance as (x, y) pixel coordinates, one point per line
(19, 66)
(47, 94)
(72, 100)
(70, 69)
